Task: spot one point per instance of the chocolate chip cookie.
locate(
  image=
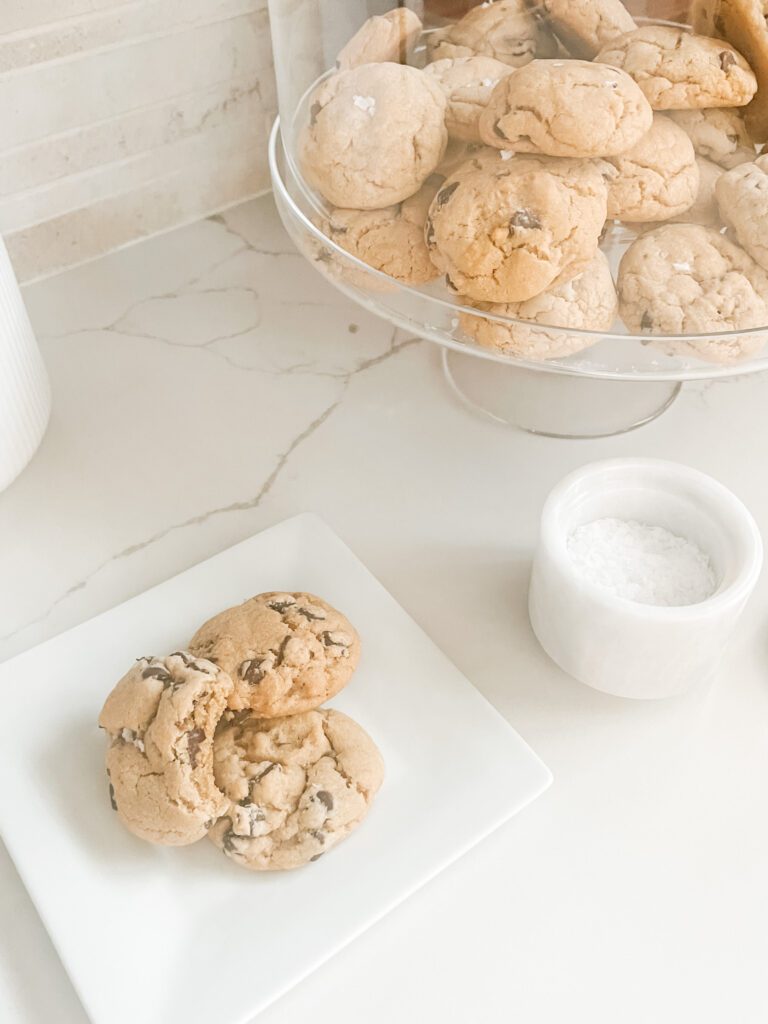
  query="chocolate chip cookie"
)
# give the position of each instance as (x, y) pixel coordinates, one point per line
(688, 279)
(392, 239)
(743, 23)
(160, 718)
(585, 26)
(658, 177)
(678, 70)
(506, 30)
(387, 37)
(285, 653)
(467, 83)
(704, 209)
(719, 134)
(374, 135)
(508, 234)
(295, 786)
(742, 197)
(566, 108)
(586, 302)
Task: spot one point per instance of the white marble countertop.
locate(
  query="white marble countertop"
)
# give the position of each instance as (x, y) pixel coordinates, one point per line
(208, 384)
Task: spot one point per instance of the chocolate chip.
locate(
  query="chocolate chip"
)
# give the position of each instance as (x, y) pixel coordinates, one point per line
(281, 606)
(450, 284)
(307, 614)
(318, 835)
(445, 194)
(251, 671)
(727, 60)
(264, 772)
(328, 640)
(316, 857)
(497, 131)
(325, 799)
(112, 797)
(194, 739)
(429, 233)
(281, 651)
(524, 219)
(646, 321)
(314, 110)
(229, 842)
(156, 672)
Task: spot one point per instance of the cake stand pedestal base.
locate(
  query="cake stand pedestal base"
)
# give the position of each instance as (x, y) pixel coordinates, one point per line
(555, 404)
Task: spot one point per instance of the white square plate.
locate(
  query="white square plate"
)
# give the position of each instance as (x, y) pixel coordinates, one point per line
(184, 936)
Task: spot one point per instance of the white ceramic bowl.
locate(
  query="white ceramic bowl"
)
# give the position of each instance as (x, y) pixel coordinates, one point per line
(620, 646)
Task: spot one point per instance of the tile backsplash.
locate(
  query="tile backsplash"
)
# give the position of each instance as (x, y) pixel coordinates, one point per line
(122, 118)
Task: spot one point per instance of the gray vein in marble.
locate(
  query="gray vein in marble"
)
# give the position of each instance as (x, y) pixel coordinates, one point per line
(247, 504)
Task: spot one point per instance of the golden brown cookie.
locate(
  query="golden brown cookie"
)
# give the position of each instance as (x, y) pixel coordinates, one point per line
(392, 239)
(743, 24)
(160, 718)
(688, 279)
(566, 108)
(719, 134)
(742, 198)
(295, 787)
(508, 234)
(586, 302)
(374, 136)
(658, 178)
(678, 70)
(584, 26)
(285, 653)
(467, 83)
(387, 37)
(506, 30)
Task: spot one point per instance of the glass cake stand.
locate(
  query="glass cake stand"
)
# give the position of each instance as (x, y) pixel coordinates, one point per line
(618, 383)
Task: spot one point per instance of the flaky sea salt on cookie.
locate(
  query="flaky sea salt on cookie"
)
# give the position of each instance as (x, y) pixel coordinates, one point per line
(678, 70)
(386, 37)
(375, 134)
(586, 302)
(658, 178)
(566, 108)
(508, 234)
(160, 719)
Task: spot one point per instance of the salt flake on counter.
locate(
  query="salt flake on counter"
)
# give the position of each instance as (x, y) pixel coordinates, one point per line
(366, 103)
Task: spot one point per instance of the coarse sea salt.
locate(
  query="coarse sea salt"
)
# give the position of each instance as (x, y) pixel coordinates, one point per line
(366, 103)
(642, 563)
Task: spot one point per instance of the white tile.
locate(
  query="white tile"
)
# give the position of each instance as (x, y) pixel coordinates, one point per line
(185, 195)
(56, 97)
(113, 27)
(125, 136)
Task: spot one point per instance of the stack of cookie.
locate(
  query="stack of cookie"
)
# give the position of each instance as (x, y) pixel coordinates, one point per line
(499, 150)
(228, 740)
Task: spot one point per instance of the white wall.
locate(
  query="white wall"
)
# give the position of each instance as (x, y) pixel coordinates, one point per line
(121, 118)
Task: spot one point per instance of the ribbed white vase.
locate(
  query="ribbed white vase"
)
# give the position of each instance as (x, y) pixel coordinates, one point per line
(25, 396)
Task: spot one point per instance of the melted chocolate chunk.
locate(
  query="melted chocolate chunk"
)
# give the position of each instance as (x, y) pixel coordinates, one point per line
(646, 321)
(429, 233)
(264, 772)
(307, 614)
(497, 131)
(251, 671)
(281, 651)
(328, 640)
(727, 60)
(156, 672)
(524, 219)
(316, 857)
(325, 799)
(445, 194)
(112, 797)
(318, 835)
(194, 740)
(314, 110)
(450, 284)
(281, 606)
